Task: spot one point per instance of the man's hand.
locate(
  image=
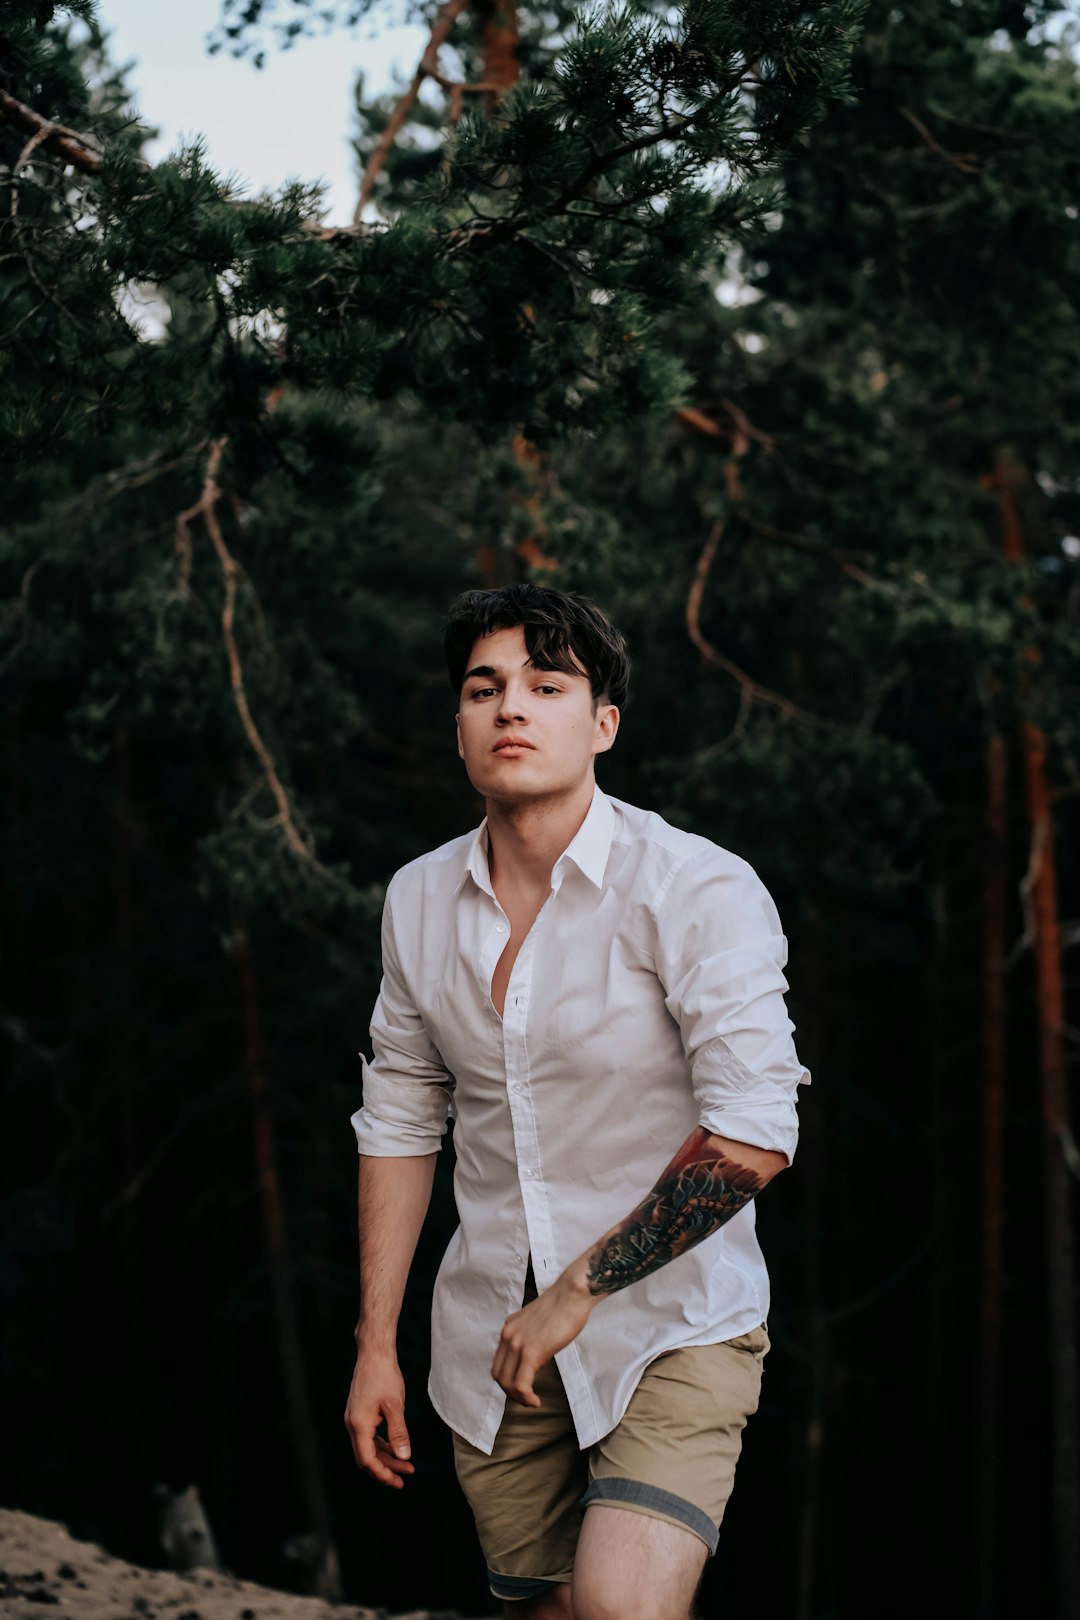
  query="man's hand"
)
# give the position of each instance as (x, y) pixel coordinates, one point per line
(715, 1176)
(377, 1395)
(531, 1336)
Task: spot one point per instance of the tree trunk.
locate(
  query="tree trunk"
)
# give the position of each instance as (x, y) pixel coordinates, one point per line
(298, 1398)
(499, 32)
(502, 69)
(1056, 1137)
(815, 1338)
(810, 955)
(937, 1340)
(122, 1067)
(993, 1052)
(1010, 480)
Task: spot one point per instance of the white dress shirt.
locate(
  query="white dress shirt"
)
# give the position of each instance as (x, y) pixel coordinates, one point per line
(646, 999)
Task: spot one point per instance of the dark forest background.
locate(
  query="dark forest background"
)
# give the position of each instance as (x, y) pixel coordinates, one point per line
(760, 323)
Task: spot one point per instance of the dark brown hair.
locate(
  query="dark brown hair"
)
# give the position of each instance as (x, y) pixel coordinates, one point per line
(563, 630)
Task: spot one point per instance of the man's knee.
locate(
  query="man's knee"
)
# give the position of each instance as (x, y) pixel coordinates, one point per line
(552, 1605)
(593, 1605)
(632, 1566)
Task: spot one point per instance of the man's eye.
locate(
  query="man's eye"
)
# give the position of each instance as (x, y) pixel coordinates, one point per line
(482, 691)
(549, 689)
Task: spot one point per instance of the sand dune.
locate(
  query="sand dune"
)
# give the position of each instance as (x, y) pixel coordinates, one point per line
(43, 1567)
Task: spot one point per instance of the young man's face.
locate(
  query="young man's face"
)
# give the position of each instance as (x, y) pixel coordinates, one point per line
(524, 732)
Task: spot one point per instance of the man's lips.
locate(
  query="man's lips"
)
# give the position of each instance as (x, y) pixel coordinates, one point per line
(511, 742)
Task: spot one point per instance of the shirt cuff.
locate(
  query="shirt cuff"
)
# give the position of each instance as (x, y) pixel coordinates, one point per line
(773, 1125)
(382, 1139)
(400, 1115)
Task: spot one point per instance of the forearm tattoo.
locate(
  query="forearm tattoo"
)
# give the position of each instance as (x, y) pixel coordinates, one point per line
(698, 1191)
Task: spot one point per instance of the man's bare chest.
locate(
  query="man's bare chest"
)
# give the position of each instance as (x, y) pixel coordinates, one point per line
(521, 913)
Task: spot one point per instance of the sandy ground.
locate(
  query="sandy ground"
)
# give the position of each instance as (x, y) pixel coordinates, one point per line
(42, 1567)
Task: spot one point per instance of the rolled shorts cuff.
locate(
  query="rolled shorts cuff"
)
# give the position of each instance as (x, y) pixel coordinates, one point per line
(516, 1588)
(634, 1493)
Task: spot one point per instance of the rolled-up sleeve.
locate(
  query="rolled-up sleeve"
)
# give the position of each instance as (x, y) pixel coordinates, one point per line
(720, 956)
(407, 1091)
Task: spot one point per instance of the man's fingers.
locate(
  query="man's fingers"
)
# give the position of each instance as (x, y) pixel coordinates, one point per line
(368, 1459)
(400, 1465)
(514, 1374)
(396, 1432)
(520, 1388)
(374, 1453)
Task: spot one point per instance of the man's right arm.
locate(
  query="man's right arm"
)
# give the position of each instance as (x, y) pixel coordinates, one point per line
(393, 1197)
(399, 1130)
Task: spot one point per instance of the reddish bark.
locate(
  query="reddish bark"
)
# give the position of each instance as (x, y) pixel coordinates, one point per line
(993, 1188)
(529, 455)
(499, 33)
(1056, 1135)
(57, 138)
(1011, 481)
(297, 1393)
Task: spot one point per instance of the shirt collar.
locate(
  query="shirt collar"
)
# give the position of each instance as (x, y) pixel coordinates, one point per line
(476, 863)
(588, 849)
(591, 844)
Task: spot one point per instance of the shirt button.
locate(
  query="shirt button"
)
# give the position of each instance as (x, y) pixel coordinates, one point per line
(519, 1259)
(499, 929)
(517, 1088)
(530, 1175)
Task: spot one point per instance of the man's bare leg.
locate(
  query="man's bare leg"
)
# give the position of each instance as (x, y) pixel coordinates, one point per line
(553, 1605)
(630, 1566)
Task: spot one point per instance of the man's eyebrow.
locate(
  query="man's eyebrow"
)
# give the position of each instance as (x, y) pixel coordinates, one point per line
(490, 673)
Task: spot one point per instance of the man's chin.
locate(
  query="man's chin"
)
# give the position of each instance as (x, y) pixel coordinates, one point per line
(517, 786)
(520, 792)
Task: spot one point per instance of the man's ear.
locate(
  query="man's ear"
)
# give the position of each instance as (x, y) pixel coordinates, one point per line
(457, 728)
(607, 724)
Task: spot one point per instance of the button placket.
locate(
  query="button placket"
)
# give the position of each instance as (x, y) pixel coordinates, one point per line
(522, 1115)
(491, 950)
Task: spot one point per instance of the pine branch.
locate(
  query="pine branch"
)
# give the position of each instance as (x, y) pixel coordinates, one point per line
(966, 162)
(74, 149)
(20, 610)
(740, 435)
(428, 68)
(40, 137)
(691, 417)
(206, 508)
(502, 65)
(750, 690)
(488, 233)
(844, 560)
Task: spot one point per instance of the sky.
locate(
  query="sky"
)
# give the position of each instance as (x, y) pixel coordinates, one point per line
(291, 120)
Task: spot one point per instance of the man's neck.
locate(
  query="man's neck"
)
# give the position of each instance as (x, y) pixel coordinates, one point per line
(525, 840)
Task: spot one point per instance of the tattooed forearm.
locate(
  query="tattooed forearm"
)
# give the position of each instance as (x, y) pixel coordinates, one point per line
(698, 1191)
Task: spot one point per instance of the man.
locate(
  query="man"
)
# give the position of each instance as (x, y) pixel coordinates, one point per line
(597, 998)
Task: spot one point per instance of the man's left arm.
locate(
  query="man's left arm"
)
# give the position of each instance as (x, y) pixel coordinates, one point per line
(706, 1183)
(720, 953)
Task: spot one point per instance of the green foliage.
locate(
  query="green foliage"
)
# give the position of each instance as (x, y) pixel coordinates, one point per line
(552, 270)
(561, 194)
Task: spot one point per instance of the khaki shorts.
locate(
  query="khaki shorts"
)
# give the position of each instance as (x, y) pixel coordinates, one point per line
(671, 1456)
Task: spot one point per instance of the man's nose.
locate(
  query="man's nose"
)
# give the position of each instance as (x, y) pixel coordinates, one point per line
(512, 707)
